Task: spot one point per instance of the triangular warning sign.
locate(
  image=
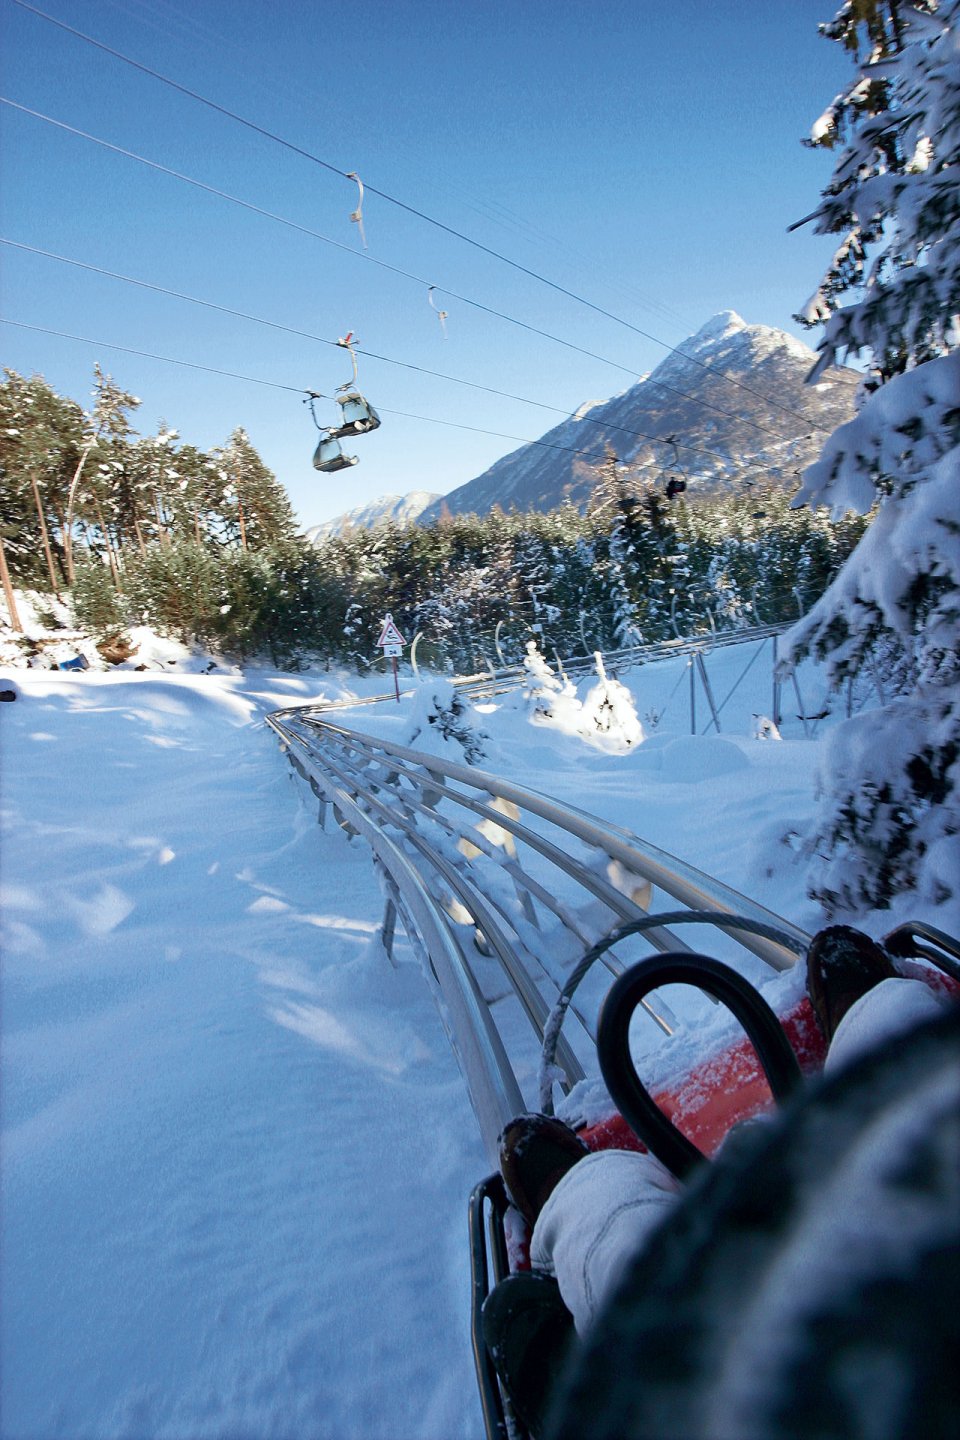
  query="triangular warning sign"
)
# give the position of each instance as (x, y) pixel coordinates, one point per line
(390, 635)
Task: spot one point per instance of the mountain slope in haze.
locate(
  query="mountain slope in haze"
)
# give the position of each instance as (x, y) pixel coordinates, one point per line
(726, 390)
(400, 508)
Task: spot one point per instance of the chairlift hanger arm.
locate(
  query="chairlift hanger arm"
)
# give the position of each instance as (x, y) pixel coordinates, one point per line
(441, 314)
(308, 399)
(356, 216)
(347, 342)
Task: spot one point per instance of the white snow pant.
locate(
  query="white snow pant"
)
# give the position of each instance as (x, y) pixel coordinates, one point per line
(606, 1207)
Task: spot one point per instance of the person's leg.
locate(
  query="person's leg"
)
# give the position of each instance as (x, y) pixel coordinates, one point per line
(858, 998)
(529, 1333)
(884, 1014)
(599, 1214)
(581, 1230)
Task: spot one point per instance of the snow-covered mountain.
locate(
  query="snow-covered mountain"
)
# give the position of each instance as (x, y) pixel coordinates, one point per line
(401, 508)
(734, 397)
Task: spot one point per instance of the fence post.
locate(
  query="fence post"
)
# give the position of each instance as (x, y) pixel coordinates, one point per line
(388, 928)
(413, 656)
(777, 686)
(705, 680)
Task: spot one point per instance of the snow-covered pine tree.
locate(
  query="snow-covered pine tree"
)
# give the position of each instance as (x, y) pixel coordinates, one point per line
(41, 440)
(550, 698)
(106, 430)
(442, 719)
(256, 505)
(615, 502)
(355, 640)
(609, 716)
(889, 816)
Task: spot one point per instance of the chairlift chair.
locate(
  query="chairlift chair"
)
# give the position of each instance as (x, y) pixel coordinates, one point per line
(328, 456)
(358, 415)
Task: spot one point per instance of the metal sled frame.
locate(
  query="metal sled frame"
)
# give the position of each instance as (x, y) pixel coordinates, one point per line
(489, 1203)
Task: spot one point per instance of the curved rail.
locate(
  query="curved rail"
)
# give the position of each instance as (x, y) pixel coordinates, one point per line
(501, 891)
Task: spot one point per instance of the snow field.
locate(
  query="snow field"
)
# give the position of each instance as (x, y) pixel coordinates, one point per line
(236, 1150)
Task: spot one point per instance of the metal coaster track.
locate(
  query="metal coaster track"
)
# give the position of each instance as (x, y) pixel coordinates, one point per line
(501, 891)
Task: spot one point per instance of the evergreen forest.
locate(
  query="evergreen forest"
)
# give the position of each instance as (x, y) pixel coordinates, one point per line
(204, 546)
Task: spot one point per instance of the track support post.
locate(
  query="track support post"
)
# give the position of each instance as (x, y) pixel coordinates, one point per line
(388, 929)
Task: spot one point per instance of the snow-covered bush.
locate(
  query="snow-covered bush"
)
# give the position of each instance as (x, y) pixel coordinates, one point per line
(609, 716)
(444, 724)
(549, 697)
(890, 782)
(764, 728)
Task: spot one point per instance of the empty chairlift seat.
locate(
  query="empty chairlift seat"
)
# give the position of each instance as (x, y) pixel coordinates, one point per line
(328, 456)
(359, 416)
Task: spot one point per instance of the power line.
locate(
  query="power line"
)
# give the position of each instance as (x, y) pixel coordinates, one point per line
(382, 264)
(402, 205)
(369, 354)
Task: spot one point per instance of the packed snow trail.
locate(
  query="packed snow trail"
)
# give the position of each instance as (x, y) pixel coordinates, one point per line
(236, 1147)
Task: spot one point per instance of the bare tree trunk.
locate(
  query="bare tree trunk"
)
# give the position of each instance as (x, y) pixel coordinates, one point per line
(162, 519)
(243, 528)
(8, 590)
(139, 533)
(111, 556)
(68, 523)
(45, 534)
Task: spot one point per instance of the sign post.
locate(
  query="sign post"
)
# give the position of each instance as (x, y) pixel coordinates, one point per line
(391, 642)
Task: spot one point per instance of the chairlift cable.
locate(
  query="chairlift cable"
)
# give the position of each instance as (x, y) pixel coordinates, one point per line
(292, 389)
(385, 265)
(370, 354)
(409, 209)
(150, 355)
(295, 389)
(397, 270)
(298, 390)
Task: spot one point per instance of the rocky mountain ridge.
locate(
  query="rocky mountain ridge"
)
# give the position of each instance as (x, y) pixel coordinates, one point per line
(729, 404)
(403, 509)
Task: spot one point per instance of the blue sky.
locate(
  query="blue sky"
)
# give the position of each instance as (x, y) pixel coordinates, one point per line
(646, 156)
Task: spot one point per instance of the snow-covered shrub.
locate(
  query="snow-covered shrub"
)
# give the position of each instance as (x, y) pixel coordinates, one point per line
(444, 724)
(355, 638)
(609, 716)
(550, 698)
(764, 728)
(890, 781)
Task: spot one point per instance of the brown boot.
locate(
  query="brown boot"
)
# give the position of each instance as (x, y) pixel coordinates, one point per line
(536, 1151)
(842, 965)
(529, 1334)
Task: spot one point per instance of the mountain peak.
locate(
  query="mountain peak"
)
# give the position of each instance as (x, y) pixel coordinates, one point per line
(401, 509)
(718, 327)
(763, 340)
(725, 435)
